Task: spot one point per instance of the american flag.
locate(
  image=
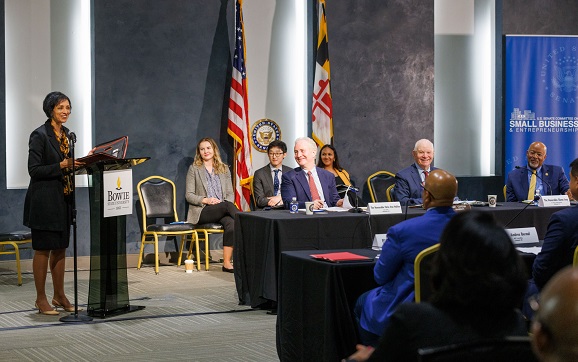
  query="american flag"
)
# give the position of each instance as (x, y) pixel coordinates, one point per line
(322, 118)
(238, 125)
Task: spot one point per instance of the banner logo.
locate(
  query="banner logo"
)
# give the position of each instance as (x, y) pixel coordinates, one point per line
(559, 74)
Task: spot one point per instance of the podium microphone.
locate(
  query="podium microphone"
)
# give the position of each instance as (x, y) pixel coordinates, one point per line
(538, 176)
(536, 198)
(72, 137)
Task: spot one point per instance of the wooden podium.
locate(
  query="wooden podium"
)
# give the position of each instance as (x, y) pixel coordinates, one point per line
(108, 284)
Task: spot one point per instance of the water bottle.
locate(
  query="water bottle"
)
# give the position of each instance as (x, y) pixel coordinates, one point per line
(294, 206)
(537, 196)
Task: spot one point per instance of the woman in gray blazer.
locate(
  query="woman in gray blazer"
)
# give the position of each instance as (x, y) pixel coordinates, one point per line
(210, 195)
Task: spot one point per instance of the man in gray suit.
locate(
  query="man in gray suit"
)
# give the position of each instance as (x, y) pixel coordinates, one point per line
(267, 180)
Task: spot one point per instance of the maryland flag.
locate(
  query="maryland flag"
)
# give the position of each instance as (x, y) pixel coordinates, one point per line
(322, 119)
(238, 125)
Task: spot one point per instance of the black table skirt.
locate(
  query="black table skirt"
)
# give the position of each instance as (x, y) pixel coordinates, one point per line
(261, 236)
(316, 299)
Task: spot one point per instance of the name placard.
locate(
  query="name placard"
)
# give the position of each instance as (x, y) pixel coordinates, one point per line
(523, 236)
(117, 189)
(378, 241)
(380, 208)
(554, 200)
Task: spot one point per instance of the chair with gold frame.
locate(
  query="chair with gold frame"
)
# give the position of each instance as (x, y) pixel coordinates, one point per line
(157, 196)
(575, 260)
(16, 240)
(389, 193)
(378, 184)
(201, 233)
(422, 272)
(505, 196)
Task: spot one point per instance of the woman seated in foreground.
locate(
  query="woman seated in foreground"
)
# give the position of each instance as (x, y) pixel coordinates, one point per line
(329, 161)
(478, 281)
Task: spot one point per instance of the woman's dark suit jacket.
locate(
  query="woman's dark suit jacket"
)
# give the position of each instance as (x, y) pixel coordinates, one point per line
(45, 206)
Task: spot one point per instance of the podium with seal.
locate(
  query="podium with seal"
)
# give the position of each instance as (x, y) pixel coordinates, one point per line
(109, 205)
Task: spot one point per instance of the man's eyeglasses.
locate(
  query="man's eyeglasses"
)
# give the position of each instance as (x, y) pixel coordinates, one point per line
(275, 154)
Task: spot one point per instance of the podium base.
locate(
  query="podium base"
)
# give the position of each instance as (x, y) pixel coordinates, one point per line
(76, 318)
(99, 313)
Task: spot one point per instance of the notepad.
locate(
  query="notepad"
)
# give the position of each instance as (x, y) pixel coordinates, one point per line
(341, 257)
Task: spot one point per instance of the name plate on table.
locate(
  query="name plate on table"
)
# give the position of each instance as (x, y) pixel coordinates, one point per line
(378, 241)
(554, 200)
(381, 208)
(117, 190)
(523, 236)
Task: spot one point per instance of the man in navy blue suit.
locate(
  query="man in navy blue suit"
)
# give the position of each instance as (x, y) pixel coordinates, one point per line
(409, 181)
(393, 271)
(307, 182)
(549, 179)
(559, 243)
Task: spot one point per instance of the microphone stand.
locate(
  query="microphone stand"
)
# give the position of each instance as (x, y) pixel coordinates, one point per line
(74, 318)
(355, 209)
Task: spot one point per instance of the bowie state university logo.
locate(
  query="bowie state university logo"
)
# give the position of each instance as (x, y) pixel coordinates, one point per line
(559, 74)
(263, 132)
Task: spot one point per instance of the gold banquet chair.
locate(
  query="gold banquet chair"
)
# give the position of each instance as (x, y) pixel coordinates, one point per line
(16, 240)
(422, 272)
(158, 201)
(575, 260)
(389, 193)
(201, 234)
(378, 183)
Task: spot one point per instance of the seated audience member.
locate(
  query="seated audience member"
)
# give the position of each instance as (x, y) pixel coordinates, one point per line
(267, 180)
(559, 243)
(209, 192)
(555, 327)
(307, 182)
(409, 181)
(477, 281)
(549, 179)
(329, 161)
(394, 268)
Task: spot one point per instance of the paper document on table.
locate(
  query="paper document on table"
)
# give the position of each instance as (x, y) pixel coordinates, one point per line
(530, 250)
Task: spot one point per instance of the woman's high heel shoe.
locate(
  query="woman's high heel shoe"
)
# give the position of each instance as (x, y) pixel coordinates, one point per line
(46, 312)
(57, 305)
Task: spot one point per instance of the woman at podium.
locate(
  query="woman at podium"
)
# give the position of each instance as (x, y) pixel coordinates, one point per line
(48, 203)
(210, 195)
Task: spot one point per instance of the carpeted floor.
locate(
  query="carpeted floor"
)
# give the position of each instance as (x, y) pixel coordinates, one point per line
(187, 317)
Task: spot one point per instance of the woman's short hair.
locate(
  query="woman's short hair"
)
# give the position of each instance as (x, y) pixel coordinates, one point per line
(51, 100)
(336, 164)
(477, 266)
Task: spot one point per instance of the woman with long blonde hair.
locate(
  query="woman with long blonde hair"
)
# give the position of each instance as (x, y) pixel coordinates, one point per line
(210, 195)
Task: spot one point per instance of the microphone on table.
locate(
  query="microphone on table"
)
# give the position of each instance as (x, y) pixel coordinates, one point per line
(356, 208)
(538, 176)
(536, 198)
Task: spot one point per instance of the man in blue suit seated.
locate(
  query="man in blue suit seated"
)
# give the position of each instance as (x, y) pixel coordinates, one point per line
(307, 182)
(394, 268)
(559, 243)
(548, 179)
(409, 181)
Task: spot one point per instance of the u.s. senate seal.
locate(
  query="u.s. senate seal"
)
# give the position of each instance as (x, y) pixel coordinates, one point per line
(263, 132)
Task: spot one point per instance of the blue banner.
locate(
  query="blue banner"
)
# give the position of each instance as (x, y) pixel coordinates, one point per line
(541, 98)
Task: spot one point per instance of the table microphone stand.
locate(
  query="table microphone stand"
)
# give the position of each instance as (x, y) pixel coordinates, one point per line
(355, 209)
(74, 318)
